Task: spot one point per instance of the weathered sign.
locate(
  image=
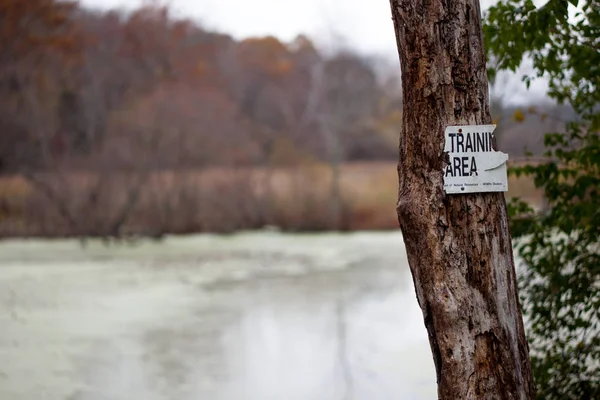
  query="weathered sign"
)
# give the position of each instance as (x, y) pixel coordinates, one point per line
(473, 164)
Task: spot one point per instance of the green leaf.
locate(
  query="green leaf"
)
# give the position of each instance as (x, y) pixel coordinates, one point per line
(560, 279)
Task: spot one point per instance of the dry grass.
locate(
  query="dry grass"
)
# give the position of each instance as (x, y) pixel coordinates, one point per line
(216, 200)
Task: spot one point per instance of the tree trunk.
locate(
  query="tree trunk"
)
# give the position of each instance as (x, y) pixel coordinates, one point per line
(459, 247)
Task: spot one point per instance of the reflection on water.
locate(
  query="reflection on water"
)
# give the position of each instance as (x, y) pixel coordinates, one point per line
(356, 348)
(256, 317)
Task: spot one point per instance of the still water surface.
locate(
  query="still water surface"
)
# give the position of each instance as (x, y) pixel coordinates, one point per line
(258, 316)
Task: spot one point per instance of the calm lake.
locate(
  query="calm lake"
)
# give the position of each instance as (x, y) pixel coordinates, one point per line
(256, 316)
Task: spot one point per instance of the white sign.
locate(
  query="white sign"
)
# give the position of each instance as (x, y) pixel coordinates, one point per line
(474, 166)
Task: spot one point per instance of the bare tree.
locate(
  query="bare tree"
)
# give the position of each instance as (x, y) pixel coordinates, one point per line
(343, 96)
(459, 246)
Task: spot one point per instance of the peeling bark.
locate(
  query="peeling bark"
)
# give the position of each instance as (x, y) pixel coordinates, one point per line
(459, 246)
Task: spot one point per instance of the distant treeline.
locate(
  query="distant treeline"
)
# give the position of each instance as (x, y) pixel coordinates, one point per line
(83, 89)
(88, 94)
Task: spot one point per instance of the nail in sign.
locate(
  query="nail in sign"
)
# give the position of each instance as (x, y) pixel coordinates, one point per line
(474, 166)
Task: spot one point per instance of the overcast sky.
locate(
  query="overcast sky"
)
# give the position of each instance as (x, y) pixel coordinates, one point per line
(364, 25)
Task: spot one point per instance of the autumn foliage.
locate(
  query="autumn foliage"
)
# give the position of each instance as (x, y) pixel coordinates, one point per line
(96, 106)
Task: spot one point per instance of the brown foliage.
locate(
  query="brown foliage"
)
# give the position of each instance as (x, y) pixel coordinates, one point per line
(108, 94)
(212, 200)
(30, 26)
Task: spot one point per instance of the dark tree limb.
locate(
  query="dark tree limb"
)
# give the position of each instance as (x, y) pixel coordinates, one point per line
(459, 246)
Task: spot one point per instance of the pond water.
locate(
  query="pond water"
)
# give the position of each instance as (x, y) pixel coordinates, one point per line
(254, 316)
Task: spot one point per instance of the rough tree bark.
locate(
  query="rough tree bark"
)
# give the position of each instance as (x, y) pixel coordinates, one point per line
(459, 246)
